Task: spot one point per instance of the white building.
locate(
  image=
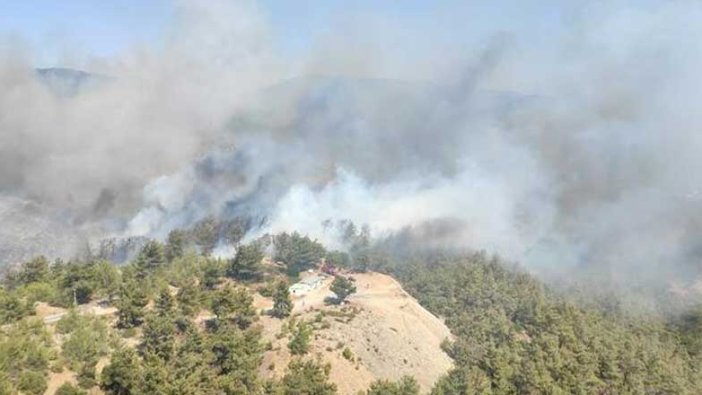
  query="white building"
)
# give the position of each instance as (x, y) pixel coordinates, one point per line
(306, 285)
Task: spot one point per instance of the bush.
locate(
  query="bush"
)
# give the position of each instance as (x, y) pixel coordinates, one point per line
(300, 342)
(86, 376)
(307, 377)
(39, 292)
(267, 290)
(129, 333)
(12, 308)
(69, 322)
(406, 386)
(32, 383)
(69, 389)
(86, 344)
(5, 384)
(347, 354)
(57, 365)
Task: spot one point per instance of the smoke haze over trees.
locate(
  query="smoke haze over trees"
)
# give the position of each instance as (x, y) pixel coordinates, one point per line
(569, 152)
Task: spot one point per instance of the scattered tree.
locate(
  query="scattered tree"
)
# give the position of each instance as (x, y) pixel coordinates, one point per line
(307, 377)
(282, 304)
(205, 233)
(338, 259)
(188, 298)
(36, 270)
(342, 287)
(212, 274)
(130, 306)
(165, 303)
(159, 337)
(122, 376)
(86, 343)
(32, 383)
(13, 308)
(300, 342)
(246, 262)
(69, 389)
(406, 386)
(236, 304)
(150, 258)
(175, 245)
(298, 252)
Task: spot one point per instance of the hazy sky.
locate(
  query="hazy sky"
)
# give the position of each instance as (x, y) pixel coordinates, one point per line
(549, 131)
(71, 31)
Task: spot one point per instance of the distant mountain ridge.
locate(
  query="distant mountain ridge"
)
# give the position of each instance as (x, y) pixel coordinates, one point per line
(67, 82)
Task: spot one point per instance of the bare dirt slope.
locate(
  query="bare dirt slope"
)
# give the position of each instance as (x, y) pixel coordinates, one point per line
(388, 333)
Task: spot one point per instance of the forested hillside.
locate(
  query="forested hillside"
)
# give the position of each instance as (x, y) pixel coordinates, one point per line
(185, 323)
(515, 336)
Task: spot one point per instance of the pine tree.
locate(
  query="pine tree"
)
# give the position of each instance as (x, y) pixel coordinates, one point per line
(282, 304)
(342, 287)
(188, 298)
(245, 265)
(237, 356)
(130, 307)
(236, 304)
(123, 375)
(175, 245)
(300, 342)
(165, 303)
(159, 337)
(307, 377)
(150, 258)
(35, 270)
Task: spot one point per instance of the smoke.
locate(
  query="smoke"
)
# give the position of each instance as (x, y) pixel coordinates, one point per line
(86, 156)
(571, 150)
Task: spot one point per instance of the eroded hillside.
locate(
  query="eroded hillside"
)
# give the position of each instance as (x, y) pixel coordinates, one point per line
(388, 333)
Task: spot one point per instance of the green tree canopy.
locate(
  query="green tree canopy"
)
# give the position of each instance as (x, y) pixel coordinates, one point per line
(342, 287)
(297, 251)
(123, 375)
(150, 259)
(234, 303)
(307, 377)
(300, 342)
(282, 304)
(175, 245)
(132, 299)
(246, 263)
(407, 385)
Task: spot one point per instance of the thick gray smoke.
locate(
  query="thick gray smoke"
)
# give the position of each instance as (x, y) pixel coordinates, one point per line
(572, 152)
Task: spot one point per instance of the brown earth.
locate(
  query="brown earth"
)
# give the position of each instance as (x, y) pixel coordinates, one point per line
(387, 332)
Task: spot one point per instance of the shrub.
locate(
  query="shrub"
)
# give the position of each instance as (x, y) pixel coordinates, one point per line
(300, 342)
(69, 322)
(69, 389)
(32, 383)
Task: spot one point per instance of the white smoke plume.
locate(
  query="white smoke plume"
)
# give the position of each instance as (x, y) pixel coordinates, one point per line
(575, 151)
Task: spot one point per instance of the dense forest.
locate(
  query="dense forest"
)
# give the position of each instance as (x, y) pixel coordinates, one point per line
(513, 334)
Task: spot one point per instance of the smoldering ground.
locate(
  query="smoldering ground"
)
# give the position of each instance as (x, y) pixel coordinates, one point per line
(574, 150)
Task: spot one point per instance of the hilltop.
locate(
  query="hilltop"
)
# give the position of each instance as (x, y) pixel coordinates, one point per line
(388, 333)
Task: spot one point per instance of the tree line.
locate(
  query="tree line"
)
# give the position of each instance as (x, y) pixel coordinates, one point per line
(513, 334)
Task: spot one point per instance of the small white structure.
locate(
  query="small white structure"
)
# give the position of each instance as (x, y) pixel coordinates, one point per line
(306, 285)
